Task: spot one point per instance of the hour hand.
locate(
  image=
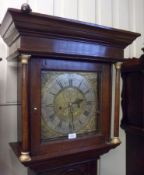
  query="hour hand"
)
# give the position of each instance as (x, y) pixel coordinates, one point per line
(78, 102)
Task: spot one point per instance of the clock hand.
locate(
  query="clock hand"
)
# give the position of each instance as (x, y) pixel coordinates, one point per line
(78, 102)
(72, 118)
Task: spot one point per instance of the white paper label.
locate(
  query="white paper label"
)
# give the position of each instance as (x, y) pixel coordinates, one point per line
(72, 136)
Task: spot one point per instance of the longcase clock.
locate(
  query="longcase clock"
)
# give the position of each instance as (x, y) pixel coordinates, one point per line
(133, 113)
(64, 90)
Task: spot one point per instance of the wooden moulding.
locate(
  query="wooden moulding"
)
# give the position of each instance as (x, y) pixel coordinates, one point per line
(41, 162)
(48, 35)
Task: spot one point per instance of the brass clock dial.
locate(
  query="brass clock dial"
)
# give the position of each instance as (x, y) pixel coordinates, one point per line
(69, 103)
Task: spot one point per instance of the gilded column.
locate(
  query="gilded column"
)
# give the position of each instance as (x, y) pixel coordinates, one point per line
(115, 139)
(24, 108)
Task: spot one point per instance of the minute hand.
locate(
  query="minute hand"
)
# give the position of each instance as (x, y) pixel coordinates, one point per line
(71, 115)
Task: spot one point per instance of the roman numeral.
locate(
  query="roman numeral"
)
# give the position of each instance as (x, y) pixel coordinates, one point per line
(89, 102)
(80, 121)
(52, 93)
(80, 84)
(52, 117)
(86, 113)
(87, 91)
(50, 105)
(60, 124)
(60, 84)
(70, 82)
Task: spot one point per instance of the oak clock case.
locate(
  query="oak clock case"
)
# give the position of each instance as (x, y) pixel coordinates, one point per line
(64, 90)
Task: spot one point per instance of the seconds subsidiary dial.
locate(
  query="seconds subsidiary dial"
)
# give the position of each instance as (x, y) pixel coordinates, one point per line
(69, 103)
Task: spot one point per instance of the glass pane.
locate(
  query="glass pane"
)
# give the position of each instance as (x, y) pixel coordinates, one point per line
(70, 105)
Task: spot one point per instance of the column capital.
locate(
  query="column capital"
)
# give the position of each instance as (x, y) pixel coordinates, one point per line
(118, 65)
(24, 58)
